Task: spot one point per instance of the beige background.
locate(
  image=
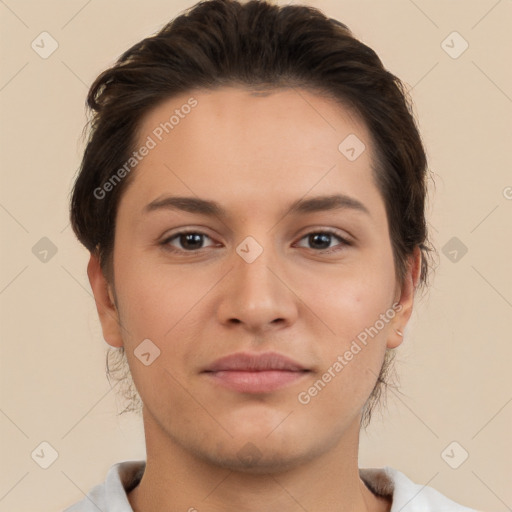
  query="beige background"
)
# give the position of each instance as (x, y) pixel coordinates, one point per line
(455, 363)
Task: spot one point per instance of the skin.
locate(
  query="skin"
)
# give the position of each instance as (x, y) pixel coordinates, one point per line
(254, 154)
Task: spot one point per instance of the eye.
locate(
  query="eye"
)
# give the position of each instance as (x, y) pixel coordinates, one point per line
(192, 241)
(321, 241)
(189, 241)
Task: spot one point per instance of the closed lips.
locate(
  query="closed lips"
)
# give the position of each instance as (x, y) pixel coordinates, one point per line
(244, 361)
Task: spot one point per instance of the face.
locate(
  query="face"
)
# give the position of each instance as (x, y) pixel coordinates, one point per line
(269, 273)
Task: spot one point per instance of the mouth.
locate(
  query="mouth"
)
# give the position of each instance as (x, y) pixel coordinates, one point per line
(255, 373)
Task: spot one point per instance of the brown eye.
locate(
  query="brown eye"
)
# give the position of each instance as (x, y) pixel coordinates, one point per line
(188, 241)
(321, 241)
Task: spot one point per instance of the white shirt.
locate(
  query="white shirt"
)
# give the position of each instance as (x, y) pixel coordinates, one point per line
(111, 495)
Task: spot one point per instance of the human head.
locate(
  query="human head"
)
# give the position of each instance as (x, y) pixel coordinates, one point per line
(259, 46)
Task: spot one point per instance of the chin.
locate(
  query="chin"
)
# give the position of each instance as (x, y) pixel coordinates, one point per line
(256, 459)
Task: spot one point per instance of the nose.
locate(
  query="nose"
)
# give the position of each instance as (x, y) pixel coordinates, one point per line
(259, 294)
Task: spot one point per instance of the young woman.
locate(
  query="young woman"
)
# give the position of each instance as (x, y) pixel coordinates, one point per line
(252, 195)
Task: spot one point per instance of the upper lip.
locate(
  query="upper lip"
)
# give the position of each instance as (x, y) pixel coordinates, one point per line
(244, 361)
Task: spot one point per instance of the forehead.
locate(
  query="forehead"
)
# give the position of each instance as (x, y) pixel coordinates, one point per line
(256, 146)
(215, 112)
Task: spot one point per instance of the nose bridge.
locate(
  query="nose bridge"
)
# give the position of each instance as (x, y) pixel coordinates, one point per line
(255, 258)
(255, 295)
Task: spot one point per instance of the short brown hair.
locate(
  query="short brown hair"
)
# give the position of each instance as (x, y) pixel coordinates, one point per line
(253, 44)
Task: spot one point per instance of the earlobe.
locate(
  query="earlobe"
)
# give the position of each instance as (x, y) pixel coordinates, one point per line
(395, 338)
(105, 303)
(406, 299)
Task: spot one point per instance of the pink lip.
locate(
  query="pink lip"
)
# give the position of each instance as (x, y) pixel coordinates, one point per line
(255, 373)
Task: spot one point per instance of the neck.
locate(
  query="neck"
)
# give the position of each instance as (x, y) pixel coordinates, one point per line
(176, 479)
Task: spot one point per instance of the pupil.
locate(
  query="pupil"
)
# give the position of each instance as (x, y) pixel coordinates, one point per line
(191, 237)
(325, 238)
(193, 240)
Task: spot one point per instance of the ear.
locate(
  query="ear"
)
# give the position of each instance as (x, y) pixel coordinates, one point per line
(405, 299)
(105, 303)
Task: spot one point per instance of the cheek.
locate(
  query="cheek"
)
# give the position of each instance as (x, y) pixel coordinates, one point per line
(357, 308)
(163, 302)
(156, 298)
(162, 310)
(347, 299)
(359, 313)
(166, 305)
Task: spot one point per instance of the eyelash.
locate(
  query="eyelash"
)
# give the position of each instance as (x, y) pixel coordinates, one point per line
(165, 243)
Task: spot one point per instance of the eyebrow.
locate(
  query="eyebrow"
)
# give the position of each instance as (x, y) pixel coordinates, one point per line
(212, 208)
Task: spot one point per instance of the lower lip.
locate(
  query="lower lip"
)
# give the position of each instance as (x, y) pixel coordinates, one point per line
(255, 382)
